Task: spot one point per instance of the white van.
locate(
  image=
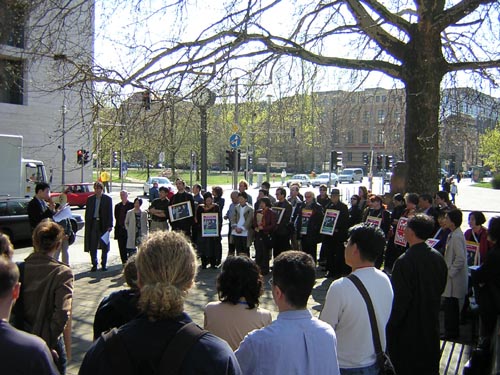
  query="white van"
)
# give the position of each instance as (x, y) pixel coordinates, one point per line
(350, 175)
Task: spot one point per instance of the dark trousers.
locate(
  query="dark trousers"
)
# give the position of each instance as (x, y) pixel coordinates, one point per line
(240, 244)
(309, 246)
(335, 258)
(263, 244)
(451, 317)
(95, 243)
(121, 237)
(231, 248)
(281, 242)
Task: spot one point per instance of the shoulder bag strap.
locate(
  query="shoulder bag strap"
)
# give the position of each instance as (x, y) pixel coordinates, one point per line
(173, 356)
(371, 312)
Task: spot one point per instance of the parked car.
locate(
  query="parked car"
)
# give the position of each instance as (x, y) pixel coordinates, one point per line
(14, 220)
(323, 178)
(301, 179)
(77, 193)
(162, 181)
(351, 175)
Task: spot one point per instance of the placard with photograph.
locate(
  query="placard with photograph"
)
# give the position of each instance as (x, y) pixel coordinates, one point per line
(180, 211)
(373, 221)
(329, 222)
(471, 246)
(279, 211)
(210, 224)
(399, 236)
(431, 242)
(306, 216)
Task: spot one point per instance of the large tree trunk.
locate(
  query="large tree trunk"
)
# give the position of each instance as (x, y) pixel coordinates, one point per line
(423, 70)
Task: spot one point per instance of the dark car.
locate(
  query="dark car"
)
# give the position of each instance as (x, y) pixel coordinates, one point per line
(14, 219)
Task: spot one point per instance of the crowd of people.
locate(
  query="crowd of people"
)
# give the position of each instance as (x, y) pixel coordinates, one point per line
(399, 261)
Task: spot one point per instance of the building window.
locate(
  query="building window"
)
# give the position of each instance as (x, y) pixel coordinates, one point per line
(349, 156)
(381, 116)
(350, 136)
(11, 81)
(364, 136)
(384, 98)
(367, 116)
(377, 99)
(12, 21)
(380, 136)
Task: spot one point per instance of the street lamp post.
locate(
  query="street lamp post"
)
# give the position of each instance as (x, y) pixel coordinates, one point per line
(63, 144)
(268, 171)
(203, 98)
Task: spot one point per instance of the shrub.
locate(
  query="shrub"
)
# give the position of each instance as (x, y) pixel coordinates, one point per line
(495, 181)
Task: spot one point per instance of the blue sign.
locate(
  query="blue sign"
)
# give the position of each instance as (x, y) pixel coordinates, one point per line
(235, 140)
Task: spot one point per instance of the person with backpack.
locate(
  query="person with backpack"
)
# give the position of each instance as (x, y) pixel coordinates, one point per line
(162, 338)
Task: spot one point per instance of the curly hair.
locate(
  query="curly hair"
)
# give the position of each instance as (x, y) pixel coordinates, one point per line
(6, 247)
(240, 277)
(166, 267)
(47, 236)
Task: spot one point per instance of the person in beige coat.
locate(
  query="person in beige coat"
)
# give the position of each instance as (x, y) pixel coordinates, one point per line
(136, 224)
(242, 224)
(456, 285)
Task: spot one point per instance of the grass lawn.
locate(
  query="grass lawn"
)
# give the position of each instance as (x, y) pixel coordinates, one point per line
(140, 175)
(483, 184)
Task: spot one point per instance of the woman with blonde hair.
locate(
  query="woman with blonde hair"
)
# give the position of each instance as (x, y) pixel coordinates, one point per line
(166, 269)
(47, 292)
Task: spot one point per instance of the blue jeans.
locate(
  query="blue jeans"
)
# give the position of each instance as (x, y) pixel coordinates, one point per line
(369, 370)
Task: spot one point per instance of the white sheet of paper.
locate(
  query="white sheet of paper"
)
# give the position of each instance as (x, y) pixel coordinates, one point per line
(105, 238)
(62, 214)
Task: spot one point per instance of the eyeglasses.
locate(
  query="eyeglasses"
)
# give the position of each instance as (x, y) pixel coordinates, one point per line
(270, 281)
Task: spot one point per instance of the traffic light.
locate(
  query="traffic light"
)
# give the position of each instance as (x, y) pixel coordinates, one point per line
(146, 99)
(229, 160)
(379, 162)
(86, 157)
(115, 157)
(366, 159)
(335, 160)
(79, 156)
(250, 161)
(388, 162)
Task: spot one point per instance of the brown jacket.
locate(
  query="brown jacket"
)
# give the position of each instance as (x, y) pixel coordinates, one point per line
(47, 295)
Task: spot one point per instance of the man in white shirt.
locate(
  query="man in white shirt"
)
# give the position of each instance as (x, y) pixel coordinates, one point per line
(345, 309)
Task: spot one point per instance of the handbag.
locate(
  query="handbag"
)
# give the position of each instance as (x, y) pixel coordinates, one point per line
(383, 360)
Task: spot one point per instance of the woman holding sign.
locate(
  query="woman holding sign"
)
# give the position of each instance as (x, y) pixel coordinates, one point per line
(207, 224)
(477, 237)
(309, 224)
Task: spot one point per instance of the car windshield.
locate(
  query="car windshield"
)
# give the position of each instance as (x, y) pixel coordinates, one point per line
(347, 171)
(324, 175)
(160, 180)
(298, 177)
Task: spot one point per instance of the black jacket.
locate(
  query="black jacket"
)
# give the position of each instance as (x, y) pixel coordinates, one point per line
(418, 279)
(36, 213)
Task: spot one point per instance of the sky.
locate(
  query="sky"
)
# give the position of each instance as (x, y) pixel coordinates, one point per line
(115, 27)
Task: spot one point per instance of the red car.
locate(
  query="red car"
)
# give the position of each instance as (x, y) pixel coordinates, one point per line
(77, 194)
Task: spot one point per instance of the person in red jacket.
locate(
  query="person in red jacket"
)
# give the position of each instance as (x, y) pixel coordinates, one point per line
(264, 224)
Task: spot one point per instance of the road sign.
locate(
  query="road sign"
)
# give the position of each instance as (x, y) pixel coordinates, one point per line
(235, 140)
(261, 160)
(278, 164)
(235, 128)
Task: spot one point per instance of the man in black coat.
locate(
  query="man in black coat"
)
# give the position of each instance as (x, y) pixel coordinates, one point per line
(418, 280)
(120, 230)
(40, 207)
(334, 245)
(184, 224)
(98, 221)
(282, 233)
